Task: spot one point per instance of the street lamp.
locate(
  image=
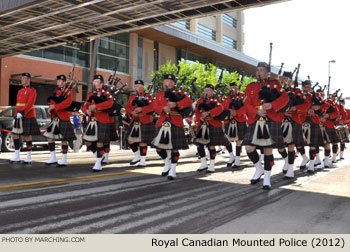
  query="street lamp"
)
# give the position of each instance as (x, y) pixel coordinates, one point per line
(329, 75)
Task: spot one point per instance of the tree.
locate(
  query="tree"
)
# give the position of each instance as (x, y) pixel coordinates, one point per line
(193, 76)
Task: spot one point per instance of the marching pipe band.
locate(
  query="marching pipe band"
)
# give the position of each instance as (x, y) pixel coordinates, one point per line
(270, 114)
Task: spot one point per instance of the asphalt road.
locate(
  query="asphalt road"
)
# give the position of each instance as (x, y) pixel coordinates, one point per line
(126, 199)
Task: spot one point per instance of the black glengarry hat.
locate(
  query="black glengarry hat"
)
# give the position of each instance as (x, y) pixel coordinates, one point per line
(288, 74)
(169, 77)
(139, 82)
(210, 86)
(305, 83)
(26, 75)
(61, 77)
(99, 77)
(265, 65)
(233, 84)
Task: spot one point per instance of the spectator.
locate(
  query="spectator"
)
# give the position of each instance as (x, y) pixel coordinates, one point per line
(78, 123)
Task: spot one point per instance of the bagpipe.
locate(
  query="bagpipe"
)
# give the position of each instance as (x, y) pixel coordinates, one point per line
(317, 99)
(331, 108)
(66, 91)
(176, 96)
(215, 101)
(111, 91)
(237, 99)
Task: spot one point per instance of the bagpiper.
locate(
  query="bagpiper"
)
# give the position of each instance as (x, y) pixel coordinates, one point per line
(24, 119)
(292, 125)
(342, 123)
(170, 132)
(60, 127)
(99, 128)
(328, 120)
(142, 128)
(236, 127)
(263, 100)
(312, 129)
(211, 132)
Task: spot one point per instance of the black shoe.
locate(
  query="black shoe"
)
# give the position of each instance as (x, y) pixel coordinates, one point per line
(333, 162)
(230, 164)
(207, 171)
(236, 166)
(165, 173)
(202, 169)
(26, 162)
(302, 167)
(341, 158)
(171, 178)
(94, 170)
(132, 163)
(61, 165)
(287, 178)
(317, 164)
(284, 171)
(141, 166)
(254, 181)
(266, 187)
(310, 172)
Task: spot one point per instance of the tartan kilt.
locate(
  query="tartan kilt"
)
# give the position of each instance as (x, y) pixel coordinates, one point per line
(148, 132)
(316, 138)
(275, 132)
(332, 134)
(217, 136)
(103, 132)
(241, 129)
(178, 138)
(66, 130)
(297, 134)
(30, 126)
(113, 132)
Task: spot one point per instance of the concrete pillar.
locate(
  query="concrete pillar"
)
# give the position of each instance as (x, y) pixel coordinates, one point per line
(194, 25)
(219, 28)
(133, 45)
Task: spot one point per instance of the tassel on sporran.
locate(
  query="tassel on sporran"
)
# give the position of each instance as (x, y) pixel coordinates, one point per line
(203, 135)
(287, 132)
(232, 132)
(53, 129)
(163, 138)
(17, 126)
(261, 136)
(307, 132)
(135, 133)
(91, 133)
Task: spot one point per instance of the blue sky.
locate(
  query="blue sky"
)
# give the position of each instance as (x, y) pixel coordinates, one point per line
(308, 32)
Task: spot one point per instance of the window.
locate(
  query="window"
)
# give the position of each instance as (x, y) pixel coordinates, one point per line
(229, 42)
(229, 20)
(109, 50)
(206, 32)
(185, 24)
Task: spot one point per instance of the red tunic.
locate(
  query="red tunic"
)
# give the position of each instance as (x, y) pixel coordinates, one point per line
(217, 110)
(144, 118)
(26, 98)
(175, 117)
(100, 116)
(241, 115)
(334, 115)
(299, 115)
(59, 107)
(252, 102)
